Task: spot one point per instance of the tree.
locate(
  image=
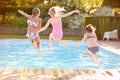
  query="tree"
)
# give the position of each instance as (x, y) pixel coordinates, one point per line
(87, 4)
(6, 3)
(112, 3)
(19, 3)
(79, 4)
(115, 4)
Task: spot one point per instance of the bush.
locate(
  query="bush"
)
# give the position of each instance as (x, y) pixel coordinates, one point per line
(104, 11)
(76, 21)
(14, 20)
(19, 22)
(9, 17)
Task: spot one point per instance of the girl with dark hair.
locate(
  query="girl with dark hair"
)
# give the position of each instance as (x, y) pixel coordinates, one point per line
(34, 24)
(91, 39)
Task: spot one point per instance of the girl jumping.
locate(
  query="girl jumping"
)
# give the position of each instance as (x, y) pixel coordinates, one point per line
(57, 32)
(34, 24)
(91, 39)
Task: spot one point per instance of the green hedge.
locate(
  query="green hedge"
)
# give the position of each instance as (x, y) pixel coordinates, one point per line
(11, 16)
(103, 24)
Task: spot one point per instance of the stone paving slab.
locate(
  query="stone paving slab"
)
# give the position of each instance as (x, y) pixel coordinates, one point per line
(58, 74)
(113, 46)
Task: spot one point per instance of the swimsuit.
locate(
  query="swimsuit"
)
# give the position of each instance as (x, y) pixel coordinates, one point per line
(91, 37)
(35, 24)
(32, 35)
(57, 32)
(94, 49)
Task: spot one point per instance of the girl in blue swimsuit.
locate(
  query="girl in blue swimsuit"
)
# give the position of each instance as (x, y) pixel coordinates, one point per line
(91, 39)
(34, 24)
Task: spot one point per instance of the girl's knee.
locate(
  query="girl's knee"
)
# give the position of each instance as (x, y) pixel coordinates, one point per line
(32, 41)
(38, 44)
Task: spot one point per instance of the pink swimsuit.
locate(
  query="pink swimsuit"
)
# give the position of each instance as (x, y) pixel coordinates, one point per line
(57, 32)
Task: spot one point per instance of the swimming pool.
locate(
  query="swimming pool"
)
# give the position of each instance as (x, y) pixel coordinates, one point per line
(17, 53)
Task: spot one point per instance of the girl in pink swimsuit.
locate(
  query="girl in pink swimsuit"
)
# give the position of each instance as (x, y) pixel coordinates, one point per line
(57, 32)
(34, 24)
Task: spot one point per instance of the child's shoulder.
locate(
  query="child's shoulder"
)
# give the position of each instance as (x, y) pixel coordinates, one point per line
(40, 19)
(50, 19)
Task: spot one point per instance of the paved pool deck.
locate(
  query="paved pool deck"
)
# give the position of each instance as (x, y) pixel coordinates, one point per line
(113, 46)
(58, 74)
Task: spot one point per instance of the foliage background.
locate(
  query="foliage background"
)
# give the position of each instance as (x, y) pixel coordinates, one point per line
(102, 13)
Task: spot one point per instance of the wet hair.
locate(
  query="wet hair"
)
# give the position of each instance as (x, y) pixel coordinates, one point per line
(89, 28)
(56, 10)
(35, 11)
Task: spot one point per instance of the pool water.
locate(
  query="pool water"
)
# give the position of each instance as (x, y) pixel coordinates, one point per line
(19, 53)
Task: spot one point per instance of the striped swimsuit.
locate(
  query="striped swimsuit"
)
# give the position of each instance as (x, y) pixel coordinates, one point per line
(32, 35)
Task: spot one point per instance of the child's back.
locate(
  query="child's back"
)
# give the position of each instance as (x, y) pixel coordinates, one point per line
(91, 39)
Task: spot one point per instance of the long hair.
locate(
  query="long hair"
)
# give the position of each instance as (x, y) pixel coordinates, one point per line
(35, 11)
(56, 11)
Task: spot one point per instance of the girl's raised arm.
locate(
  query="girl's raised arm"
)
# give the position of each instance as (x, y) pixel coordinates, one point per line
(24, 14)
(70, 13)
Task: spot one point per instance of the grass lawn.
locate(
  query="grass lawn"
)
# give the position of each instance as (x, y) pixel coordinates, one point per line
(42, 37)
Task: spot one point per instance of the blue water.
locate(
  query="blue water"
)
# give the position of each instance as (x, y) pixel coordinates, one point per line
(17, 53)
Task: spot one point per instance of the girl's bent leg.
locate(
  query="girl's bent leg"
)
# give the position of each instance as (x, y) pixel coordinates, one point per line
(51, 41)
(38, 46)
(89, 55)
(96, 57)
(34, 43)
(63, 43)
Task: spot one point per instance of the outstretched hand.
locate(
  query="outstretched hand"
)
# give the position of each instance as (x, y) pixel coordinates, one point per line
(20, 11)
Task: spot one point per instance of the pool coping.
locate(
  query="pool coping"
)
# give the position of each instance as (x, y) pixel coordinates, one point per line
(110, 46)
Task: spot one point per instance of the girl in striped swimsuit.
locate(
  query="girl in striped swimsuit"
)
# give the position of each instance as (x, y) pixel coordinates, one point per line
(57, 32)
(34, 24)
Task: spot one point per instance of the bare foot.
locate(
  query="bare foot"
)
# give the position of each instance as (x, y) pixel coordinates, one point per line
(39, 55)
(49, 46)
(63, 43)
(97, 62)
(65, 46)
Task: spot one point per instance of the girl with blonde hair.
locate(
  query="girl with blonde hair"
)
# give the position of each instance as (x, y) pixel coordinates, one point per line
(56, 14)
